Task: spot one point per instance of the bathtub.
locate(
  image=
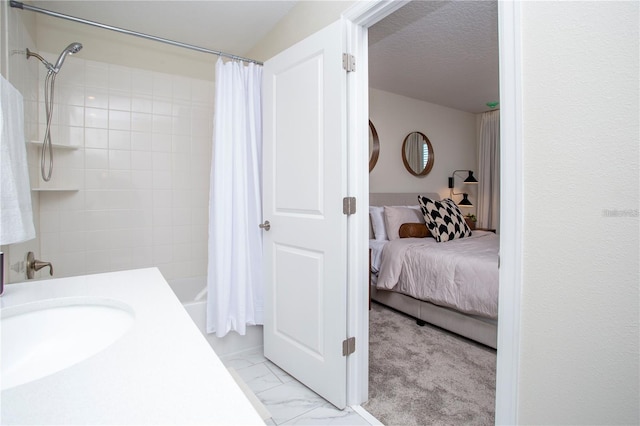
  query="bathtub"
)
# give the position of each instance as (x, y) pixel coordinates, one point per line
(192, 294)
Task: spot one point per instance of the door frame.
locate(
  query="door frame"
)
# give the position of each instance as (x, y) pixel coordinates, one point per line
(359, 17)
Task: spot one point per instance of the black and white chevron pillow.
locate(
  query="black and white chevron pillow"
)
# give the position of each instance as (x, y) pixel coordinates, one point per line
(444, 219)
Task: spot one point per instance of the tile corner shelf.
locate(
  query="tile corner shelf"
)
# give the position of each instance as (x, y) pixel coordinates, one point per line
(54, 189)
(61, 147)
(56, 145)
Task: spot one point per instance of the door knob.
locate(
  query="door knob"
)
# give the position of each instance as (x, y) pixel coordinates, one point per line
(266, 225)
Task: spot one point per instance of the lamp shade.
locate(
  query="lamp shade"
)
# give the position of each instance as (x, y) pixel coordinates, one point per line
(465, 201)
(471, 178)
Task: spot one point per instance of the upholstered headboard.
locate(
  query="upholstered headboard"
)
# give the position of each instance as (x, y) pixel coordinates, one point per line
(399, 199)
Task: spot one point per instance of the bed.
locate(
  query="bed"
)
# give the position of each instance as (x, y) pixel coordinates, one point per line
(453, 284)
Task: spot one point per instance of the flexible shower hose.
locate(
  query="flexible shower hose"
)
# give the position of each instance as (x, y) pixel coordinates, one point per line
(49, 84)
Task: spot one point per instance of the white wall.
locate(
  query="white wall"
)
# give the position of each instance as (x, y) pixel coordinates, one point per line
(452, 134)
(579, 324)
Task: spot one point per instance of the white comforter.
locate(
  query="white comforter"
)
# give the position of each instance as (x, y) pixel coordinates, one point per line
(461, 274)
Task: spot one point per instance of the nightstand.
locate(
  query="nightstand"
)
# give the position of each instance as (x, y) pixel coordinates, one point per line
(485, 229)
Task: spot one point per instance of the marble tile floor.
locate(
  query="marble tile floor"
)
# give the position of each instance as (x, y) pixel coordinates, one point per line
(288, 401)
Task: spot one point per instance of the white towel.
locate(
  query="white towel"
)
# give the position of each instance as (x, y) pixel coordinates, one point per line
(16, 215)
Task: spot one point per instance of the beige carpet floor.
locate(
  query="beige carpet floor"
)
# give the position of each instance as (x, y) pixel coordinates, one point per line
(425, 375)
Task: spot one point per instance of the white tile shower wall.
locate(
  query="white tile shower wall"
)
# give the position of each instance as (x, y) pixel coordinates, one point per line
(141, 170)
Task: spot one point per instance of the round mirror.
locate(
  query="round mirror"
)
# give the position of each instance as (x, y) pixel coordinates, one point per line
(374, 146)
(417, 154)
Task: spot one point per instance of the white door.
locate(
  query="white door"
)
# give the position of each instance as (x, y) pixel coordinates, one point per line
(304, 178)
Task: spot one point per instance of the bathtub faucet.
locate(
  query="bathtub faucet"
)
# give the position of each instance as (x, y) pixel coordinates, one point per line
(34, 265)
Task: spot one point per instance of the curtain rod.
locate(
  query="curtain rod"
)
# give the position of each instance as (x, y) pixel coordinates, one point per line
(23, 6)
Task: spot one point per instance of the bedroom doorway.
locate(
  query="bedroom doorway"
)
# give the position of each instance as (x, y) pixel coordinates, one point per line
(412, 20)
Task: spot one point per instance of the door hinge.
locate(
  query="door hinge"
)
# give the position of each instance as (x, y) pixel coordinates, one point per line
(348, 62)
(348, 346)
(349, 205)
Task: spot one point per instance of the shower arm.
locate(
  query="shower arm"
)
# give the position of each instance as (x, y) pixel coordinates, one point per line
(44, 61)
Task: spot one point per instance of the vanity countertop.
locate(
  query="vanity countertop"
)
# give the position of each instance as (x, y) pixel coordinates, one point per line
(161, 371)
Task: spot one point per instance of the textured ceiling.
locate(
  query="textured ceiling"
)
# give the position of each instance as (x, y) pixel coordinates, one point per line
(440, 52)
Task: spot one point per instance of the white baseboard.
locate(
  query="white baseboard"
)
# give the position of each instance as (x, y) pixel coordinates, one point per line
(366, 415)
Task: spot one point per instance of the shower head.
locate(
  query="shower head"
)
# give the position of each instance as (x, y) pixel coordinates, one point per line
(70, 49)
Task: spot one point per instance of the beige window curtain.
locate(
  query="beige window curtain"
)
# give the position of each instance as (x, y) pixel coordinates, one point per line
(489, 171)
(414, 153)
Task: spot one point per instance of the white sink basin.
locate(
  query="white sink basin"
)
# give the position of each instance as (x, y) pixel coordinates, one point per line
(44, 337)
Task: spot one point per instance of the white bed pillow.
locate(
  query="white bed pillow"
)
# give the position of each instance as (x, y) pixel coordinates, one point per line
(376, 214)
(395, 216)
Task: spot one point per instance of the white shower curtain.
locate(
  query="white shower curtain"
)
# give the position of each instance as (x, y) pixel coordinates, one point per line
(489, 171)
(234, 275)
